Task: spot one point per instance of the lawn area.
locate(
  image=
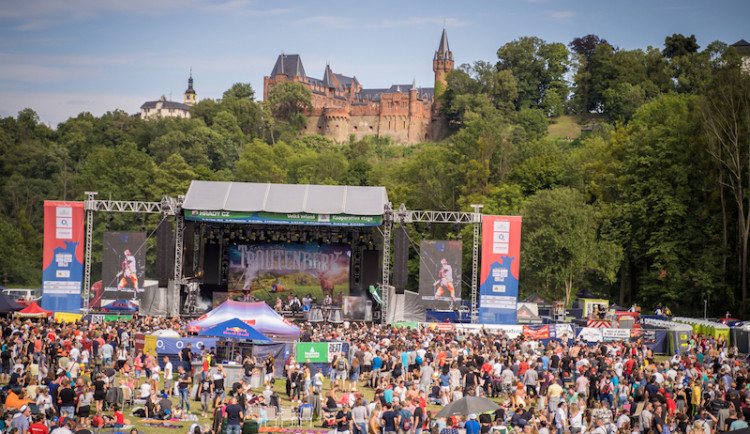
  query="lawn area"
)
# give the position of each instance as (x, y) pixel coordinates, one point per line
(564, 127)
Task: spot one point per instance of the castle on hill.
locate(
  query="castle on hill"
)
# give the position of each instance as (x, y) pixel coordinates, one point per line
(342, 107)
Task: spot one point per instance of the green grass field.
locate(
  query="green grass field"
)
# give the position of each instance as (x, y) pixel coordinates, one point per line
(569, 126)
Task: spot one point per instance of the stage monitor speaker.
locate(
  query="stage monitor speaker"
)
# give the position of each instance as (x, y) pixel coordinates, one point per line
(400, 258)
(212, 264)
(164, 253)
(355, 272)
(371, 268)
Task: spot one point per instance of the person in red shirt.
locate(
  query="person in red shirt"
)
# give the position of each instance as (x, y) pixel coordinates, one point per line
(38, 427)
(522, 367)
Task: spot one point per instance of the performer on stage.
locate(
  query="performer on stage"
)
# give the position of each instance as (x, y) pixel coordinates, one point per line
(445, 280)
(128, 272)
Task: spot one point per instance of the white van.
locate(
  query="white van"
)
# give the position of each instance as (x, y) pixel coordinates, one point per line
(24, 296)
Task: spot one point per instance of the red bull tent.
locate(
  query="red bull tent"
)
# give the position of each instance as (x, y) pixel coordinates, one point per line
(236, 328)
(258, 315)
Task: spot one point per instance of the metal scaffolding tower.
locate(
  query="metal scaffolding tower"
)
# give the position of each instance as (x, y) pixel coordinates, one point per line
(168, 206)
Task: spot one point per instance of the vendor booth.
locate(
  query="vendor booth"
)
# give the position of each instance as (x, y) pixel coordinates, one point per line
(678, 334)
(33, 311)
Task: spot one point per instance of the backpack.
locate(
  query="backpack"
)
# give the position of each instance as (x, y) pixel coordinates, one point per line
(640, 393)
(406, 420)
(605, 388)
(419, 359)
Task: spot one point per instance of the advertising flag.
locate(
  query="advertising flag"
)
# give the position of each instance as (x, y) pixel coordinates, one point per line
(501, 253)
(62, 272)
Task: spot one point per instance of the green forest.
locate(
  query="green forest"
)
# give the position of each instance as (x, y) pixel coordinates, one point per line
(631, 168)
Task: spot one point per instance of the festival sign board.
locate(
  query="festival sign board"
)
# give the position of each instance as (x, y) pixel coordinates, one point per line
(277, 218)
(62, 272)
(501, 254)
(315, 352)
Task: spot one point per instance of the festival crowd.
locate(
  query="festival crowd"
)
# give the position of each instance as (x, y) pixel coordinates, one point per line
(74, 378)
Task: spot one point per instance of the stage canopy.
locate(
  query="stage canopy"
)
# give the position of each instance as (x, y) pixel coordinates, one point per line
(235, 328)
(244, 202)
(258, 315)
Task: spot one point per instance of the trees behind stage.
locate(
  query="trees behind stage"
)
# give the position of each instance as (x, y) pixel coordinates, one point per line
(648, 203)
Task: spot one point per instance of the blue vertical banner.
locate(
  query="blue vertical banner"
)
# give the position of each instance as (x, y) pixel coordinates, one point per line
(62, 272)
(501, 253)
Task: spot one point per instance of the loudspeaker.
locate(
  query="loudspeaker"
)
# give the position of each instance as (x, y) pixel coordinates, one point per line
(355, 274)
(371, 268)
(188, 250)
(212, 264)
(400, 258)
(164, 253)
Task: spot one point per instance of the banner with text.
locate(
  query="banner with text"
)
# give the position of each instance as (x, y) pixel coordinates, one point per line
(271, 218)
(62, 274)
(315, 352)
(440, 274)
(541, 332)
(501, 254)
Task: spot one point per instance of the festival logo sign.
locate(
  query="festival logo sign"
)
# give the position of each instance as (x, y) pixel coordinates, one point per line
(236, 332)
(62, 274)
(315, 352)
(270, 218)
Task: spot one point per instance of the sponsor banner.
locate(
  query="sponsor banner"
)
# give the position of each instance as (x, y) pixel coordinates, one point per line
(67, 317)
(149, 345)
(265, 271)
(62, 272)
(536, 332)
(511, 331)
(315, 352)
(440, 273)
(564, 331)
(335, 349)
(284, 218)
(614, 335)
(174, 345)
(590, 334)
(501, 253)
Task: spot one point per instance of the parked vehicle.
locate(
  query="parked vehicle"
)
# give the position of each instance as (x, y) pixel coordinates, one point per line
(24, 296)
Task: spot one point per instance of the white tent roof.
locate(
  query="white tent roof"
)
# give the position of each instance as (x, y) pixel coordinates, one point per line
(285, 198)
(259, 315)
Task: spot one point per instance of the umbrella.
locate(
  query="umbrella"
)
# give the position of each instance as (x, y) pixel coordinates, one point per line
(166, 333)
(466, 406)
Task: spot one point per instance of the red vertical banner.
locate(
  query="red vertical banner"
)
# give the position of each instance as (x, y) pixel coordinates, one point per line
(62, 272)
(501, 255)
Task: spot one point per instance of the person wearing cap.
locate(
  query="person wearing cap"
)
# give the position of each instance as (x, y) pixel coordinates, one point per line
(21, 419)
(472, 425)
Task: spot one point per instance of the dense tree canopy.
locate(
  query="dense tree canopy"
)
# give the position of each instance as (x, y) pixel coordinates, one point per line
(647, 205)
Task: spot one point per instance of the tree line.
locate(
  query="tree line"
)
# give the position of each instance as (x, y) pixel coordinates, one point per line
(651, 204)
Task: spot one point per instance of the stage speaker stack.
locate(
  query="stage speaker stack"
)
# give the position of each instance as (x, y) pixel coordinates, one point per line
(400, 258)
(188, 250)
(164, 253)
(355, 277)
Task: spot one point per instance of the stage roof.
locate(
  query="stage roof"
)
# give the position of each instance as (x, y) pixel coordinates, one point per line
(285, 198)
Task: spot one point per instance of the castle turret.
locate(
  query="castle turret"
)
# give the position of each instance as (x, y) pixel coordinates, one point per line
(190, 95)
(442, 63)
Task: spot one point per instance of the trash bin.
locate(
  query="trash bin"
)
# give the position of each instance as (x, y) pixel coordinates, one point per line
(256, 379)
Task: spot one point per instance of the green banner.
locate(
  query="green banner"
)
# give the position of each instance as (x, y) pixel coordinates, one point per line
(315, 352)
(283, 218)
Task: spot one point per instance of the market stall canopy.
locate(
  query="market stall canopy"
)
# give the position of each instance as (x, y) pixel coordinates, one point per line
(259, 315)
(235, 328)
(34, 311)
(246, 202)
(7, 304)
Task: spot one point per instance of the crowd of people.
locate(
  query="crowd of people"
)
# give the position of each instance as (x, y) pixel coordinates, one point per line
(66, 378)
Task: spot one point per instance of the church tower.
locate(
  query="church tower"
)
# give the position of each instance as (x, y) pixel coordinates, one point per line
(442, 63)
(190, 95)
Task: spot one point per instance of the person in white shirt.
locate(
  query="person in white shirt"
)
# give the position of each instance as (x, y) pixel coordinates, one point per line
(145, 390)
(168, 377)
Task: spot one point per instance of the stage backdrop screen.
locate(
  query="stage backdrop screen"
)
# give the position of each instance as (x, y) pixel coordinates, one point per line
(62, 274)
(269, 270)
(123, 270)
(440, 274)
(501, 256)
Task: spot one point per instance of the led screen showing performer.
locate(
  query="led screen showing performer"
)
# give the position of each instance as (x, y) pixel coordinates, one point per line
(440, 274)
(123, 269)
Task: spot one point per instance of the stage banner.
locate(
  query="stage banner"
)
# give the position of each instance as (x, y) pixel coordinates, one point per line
(614, 335)
(174, 345)
(276, 218)
(315, 352)
(123, 271)
(62, 274)
(501, 253)
(440, 274)
(536, 332)
(267, 271)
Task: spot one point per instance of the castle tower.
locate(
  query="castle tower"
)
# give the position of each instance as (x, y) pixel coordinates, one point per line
(442, 63)
(190, 95)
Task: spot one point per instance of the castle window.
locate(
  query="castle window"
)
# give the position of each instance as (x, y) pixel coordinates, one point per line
(390, 104)
(404, 124)
(389, 125)
(370, 127)
(355, 128)
(403, 105)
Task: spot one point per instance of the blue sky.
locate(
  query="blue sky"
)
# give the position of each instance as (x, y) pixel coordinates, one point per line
(61, 58)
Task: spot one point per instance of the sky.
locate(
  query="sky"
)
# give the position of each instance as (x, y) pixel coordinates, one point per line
(61, 58)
